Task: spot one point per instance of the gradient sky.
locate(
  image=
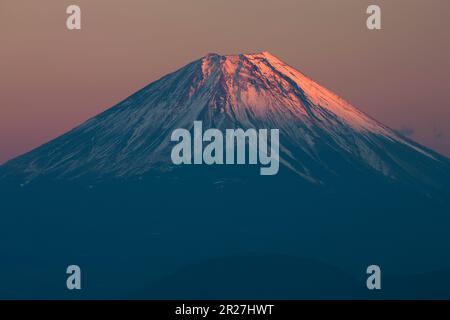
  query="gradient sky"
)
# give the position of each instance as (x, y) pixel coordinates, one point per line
(52, 79)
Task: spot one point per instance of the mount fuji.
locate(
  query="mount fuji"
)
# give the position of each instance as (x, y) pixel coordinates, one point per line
(349, 192)
(323, 139)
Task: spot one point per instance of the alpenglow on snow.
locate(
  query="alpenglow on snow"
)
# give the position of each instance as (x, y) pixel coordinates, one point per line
(322, 137)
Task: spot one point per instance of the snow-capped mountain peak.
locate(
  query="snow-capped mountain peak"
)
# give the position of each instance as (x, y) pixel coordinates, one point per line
(323, 138)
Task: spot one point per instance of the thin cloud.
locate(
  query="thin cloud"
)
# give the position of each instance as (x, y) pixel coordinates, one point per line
(439, 134)
(406, 131)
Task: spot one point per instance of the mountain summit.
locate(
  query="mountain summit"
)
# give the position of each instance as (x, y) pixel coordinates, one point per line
(349, 193)
(323, 139)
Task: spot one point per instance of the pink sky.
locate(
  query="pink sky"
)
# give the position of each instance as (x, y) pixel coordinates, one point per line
(53, 79)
